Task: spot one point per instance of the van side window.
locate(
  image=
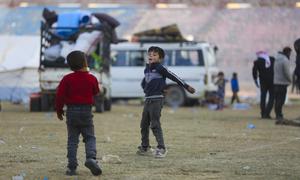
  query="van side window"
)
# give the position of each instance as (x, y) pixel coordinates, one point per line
(188, 58)
(136, 58)
(201, 59)
(118, 58)
(168, 58)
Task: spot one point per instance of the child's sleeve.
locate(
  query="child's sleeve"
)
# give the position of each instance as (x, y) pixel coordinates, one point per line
(217, 82)
(170, 75)
(143, 83)
(96, 89)
(60, 95)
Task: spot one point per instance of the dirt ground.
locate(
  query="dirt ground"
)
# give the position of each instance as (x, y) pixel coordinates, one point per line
(202, 144)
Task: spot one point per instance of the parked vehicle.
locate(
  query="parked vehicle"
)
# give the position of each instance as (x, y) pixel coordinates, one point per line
(194, 62)
(52, 67)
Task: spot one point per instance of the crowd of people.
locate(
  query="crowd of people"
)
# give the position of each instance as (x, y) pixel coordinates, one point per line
(272, 75)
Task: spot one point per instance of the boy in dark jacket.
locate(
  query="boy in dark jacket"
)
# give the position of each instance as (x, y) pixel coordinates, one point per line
(154, 84)
(235, 88)
(77, 91)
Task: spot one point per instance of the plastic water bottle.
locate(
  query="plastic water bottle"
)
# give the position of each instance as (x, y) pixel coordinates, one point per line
(251, 126)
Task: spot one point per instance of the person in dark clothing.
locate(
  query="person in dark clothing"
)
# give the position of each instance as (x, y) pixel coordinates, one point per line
(235, 88)
(282, 78)
(77, 91)
(263, 71)
(154, 84)
(296, 74)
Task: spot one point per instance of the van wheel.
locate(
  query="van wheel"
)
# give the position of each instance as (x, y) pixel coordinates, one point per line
(99, 104)
(175, 96)
(107, 104)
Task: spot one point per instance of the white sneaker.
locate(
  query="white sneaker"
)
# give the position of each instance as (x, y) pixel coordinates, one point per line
(144, 152)
(160, 153)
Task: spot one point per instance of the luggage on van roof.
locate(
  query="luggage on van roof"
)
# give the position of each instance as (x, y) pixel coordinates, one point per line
(170, 33)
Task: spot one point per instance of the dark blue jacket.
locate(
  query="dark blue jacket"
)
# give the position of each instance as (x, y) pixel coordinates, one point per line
(154, 81)
(234, 85)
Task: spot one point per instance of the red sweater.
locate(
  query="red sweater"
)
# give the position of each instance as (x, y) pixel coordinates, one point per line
(76, 88)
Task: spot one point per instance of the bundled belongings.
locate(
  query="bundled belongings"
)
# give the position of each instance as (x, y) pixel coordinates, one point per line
(52, 52)
(106, 18)
(86, 42)
(68, 23)
(78, 30)
(169, 33)
(49, 16)
(111, 22)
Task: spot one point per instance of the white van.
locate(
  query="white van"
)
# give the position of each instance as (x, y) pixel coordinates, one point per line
(194, 62)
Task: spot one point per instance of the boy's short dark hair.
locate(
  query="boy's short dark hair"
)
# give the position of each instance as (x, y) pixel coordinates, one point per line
(221, 73)
(76, 60)
(160, 51)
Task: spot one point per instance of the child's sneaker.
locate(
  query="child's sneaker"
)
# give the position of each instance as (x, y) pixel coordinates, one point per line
(92, 164)
(160, 153)
(144, 151)
(71, 172)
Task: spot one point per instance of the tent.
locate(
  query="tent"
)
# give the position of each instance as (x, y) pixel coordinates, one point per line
(19, 61)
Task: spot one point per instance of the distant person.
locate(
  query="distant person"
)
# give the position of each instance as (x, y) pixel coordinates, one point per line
(235, 88)
(263, 74)
(221, 82)
(154, 84)
(77, 91)
(282, 78)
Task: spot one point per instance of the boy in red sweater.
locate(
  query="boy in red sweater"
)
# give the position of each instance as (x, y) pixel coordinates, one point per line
(77, 91)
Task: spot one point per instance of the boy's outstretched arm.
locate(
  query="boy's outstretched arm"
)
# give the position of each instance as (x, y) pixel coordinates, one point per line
(165, 72)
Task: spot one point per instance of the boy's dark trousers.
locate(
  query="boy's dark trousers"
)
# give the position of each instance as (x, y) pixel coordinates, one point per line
(80, 121)
(280, 95)
(221, 96)
(235, 96)
(151, 118)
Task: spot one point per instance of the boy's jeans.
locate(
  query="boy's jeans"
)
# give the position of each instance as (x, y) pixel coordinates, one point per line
(80, 121)
(151, 118)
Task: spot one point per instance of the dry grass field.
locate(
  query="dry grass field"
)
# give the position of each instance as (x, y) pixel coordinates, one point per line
(202, 144)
